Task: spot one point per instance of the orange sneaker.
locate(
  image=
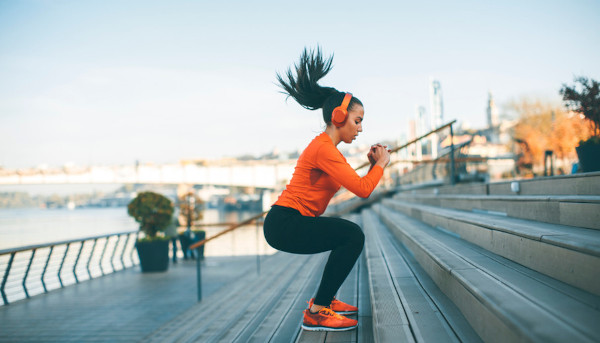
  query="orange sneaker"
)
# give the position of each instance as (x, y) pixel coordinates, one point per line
(327, 320)
(337, 306)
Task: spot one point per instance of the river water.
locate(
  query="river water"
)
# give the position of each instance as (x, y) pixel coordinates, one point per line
(24, 227)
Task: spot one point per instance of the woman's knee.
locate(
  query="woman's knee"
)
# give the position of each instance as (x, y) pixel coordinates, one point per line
(357, 235)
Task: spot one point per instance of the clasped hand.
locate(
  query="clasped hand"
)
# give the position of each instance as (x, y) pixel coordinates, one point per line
(379, 154)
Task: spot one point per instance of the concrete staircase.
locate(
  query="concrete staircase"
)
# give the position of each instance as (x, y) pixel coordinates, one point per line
(520, 266)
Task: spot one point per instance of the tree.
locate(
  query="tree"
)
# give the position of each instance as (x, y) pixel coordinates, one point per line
(190, 208)
(545, 126)
(584, 99)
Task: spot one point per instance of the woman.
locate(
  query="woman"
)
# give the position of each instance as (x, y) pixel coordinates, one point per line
(294, 224)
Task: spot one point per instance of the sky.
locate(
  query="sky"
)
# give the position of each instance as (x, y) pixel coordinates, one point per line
(114, 82)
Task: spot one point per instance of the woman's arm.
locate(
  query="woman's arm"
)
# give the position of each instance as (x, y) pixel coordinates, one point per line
(332, 162)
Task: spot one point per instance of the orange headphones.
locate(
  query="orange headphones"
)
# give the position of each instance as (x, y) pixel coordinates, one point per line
(340, 113)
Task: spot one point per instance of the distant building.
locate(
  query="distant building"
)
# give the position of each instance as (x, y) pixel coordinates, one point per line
(493, 130)
(422, 122)
(437, 104)
(437, 113)
(422, 128)
(412, 134)
(492, 112)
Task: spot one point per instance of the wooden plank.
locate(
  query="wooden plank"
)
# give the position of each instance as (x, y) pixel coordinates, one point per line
(243, 305)
(267, 321)
(347, 293)
(289, 328)
(365, 317)
(389, 318)
(200, 316)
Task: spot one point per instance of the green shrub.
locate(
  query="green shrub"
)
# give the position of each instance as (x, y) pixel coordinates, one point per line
(153, 211)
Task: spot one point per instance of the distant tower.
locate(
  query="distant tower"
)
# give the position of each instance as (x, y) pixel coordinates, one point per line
(437, 113)
(422, 128)
(437, 104)
(492, 119)
(422, 122)
(492, 112)
(412, 134)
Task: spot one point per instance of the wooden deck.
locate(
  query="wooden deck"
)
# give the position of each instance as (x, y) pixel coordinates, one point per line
(122, 307)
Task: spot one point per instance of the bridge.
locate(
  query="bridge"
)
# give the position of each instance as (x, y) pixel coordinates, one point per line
(263, 174)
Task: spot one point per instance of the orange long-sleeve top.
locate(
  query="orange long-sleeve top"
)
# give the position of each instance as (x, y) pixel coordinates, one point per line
(320, 172)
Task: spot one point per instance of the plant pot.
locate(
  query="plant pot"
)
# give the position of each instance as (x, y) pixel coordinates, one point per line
(589, 157)
(186, 242)
(154, 255)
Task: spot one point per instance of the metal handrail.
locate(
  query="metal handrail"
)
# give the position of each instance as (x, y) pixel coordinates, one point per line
(44, 245)
(396, 149)
(231, 228)
(452, 159)
(40, 268)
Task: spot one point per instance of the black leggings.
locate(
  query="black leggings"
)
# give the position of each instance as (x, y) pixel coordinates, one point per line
(287, 230)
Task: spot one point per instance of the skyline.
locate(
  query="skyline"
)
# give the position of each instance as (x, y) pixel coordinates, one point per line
(112, 83)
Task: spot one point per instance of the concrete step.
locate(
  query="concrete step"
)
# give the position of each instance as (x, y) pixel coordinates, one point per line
(567, 253)
(406, 305)
(578, 210)
(502, 300)
(574, 184)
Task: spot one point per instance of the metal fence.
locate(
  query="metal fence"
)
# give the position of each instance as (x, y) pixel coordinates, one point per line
(38, 269)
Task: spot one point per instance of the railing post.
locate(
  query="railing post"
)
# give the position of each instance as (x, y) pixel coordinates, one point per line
(199, 274)
(123, 252)
(102, 255)
(5, 278)
(27, 273)
(46, 267)
(548, 155)
(87, 266)
(133, 249)
(62, 264)
(76, 261)
(452, 169)
(257, 246)
(112, 256)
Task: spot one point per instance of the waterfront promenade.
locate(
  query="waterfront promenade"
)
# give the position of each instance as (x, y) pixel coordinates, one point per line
(510, 261)
(125, 306)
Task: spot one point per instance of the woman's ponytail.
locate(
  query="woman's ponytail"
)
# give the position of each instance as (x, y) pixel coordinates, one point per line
(304, 87)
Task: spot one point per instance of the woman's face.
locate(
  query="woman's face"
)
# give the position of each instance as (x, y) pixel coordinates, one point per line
(353, 124)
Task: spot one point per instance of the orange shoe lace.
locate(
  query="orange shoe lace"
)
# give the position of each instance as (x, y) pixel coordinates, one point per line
(329, 312)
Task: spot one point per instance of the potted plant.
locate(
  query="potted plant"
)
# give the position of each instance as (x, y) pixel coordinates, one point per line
(190, 210)
(154, 212)
(585, 100)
